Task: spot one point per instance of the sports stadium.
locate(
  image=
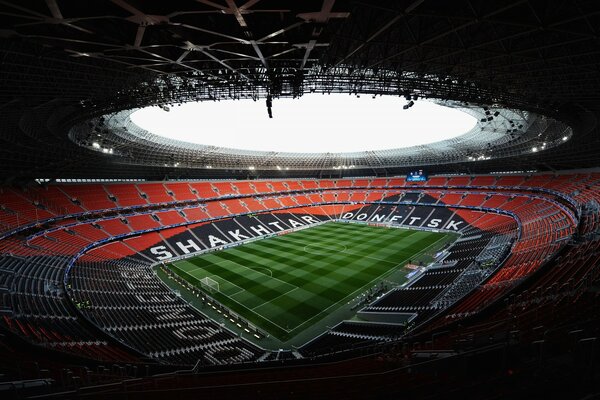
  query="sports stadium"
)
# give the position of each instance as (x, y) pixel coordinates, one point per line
(292, 199)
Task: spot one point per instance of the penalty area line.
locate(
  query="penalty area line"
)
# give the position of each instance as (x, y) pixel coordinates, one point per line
(274, 298)
(208, 275)
(242, 305)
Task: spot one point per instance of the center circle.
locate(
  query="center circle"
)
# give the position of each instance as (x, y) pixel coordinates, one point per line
(322, 249)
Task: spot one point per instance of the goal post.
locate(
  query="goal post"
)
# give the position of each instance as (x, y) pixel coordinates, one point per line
(209, 284)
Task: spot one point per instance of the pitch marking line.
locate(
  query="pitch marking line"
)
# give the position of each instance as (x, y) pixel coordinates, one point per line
(294, 287)
(251, 269)
(382, 277)
(270, 277)
(264, 269)
(241, 289)
(197, 268)
(347, 252)
(369, 284)
(274, 298)
(260, 315)
(328, 249)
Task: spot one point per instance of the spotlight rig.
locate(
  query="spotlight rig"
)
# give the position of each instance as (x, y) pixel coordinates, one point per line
(269, 105)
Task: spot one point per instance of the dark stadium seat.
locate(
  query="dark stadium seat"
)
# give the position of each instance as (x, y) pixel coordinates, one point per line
(117, 272)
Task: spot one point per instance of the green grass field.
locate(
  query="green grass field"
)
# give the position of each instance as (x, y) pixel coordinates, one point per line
(286, 283)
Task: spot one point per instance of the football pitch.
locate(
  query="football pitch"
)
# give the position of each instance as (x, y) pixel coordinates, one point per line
(286, 283)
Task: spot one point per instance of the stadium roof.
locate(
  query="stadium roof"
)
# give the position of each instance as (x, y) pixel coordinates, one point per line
(67, 64)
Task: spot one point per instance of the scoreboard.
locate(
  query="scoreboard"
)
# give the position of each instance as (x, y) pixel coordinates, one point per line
(416, 176)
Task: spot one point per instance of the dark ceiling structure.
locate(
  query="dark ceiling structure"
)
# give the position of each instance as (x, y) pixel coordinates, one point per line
(64, 62)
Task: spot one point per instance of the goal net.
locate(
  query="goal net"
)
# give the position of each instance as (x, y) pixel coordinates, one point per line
(209, 284)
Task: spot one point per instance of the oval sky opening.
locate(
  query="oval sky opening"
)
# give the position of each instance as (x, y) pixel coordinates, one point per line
(313, 123)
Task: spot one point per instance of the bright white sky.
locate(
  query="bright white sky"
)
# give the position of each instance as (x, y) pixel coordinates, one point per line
(314, 123)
